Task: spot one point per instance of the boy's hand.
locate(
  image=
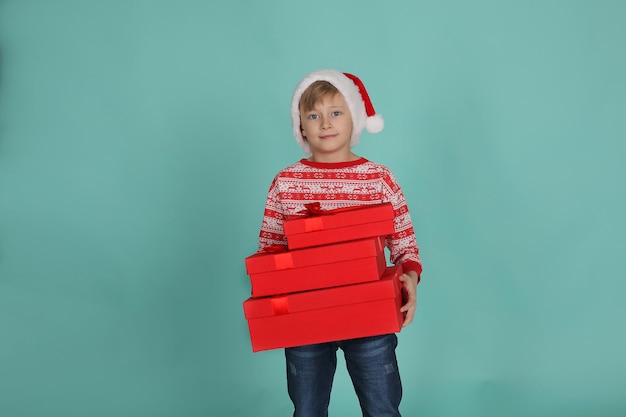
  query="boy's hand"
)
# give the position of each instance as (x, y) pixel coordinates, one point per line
(409, 282)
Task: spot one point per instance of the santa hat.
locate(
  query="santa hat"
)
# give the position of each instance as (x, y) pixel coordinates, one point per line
(353, 91)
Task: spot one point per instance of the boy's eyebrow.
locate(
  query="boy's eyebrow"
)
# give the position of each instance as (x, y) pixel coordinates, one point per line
(339, 106)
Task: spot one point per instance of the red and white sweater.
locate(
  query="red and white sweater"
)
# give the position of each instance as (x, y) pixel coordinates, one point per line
(338, 185)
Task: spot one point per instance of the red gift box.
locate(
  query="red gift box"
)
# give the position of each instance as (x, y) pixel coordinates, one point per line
(321, 227)
(314, 268)
(331, 314)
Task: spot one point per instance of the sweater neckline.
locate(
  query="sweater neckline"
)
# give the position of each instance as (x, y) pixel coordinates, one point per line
(333, 165)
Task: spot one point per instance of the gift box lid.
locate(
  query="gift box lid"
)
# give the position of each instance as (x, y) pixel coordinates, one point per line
(350, 216)
(262, 262)
(387, 287)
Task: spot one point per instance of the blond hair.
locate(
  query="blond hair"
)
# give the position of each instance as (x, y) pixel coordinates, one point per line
(314, 93)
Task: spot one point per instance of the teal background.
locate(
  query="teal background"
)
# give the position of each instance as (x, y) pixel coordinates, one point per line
(138, 140)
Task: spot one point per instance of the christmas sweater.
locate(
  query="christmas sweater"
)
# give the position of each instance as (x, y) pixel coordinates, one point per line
(339, 185)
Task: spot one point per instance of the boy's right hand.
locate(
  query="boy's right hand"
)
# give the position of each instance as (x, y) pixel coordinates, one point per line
(409, 284)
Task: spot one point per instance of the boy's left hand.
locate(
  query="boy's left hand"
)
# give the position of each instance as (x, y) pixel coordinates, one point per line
(409, 282)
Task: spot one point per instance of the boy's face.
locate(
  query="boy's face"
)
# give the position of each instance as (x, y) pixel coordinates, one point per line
(328, 129)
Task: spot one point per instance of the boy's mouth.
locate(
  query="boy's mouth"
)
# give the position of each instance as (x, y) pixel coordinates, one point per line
(329, 136)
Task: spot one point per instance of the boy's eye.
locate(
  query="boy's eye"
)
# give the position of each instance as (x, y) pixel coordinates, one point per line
(313, 116)
(336, 113)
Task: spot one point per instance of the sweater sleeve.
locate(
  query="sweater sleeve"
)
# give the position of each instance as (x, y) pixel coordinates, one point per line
(272, 232)
(402, 243)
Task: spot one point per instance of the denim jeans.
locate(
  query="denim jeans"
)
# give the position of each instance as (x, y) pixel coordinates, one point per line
(371, 363)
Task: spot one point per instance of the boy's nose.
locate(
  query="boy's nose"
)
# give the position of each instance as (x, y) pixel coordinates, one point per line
(326, 122)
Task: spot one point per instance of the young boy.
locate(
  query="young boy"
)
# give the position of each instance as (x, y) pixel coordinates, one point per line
(329, 110)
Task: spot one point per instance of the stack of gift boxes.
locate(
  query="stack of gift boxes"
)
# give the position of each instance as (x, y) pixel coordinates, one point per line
(330, 283)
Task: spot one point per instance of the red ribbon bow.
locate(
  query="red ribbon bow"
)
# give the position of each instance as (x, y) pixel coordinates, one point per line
(282, 259)
(275, 249)
(315, 209)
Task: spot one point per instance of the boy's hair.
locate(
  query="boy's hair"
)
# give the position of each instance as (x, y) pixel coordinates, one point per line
(314, 93)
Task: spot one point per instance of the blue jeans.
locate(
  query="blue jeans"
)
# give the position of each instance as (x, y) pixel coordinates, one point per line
(371, 363)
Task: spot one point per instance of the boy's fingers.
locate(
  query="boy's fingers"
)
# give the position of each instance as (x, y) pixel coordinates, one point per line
(409, 317)
(411, 303)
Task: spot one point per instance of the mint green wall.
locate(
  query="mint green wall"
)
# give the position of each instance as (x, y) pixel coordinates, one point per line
(138, 139)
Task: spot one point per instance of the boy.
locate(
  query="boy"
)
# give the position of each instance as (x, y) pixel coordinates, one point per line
(329, 110)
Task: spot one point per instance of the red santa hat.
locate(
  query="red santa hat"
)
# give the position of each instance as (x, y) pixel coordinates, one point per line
(355, 94)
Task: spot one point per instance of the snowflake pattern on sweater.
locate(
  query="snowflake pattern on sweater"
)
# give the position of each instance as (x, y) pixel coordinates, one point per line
(339, 185)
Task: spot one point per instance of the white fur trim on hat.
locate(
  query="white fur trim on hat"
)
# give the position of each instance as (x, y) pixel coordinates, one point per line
(353, 91)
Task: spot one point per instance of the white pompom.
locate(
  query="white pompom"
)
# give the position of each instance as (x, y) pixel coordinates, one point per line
(375, 123)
